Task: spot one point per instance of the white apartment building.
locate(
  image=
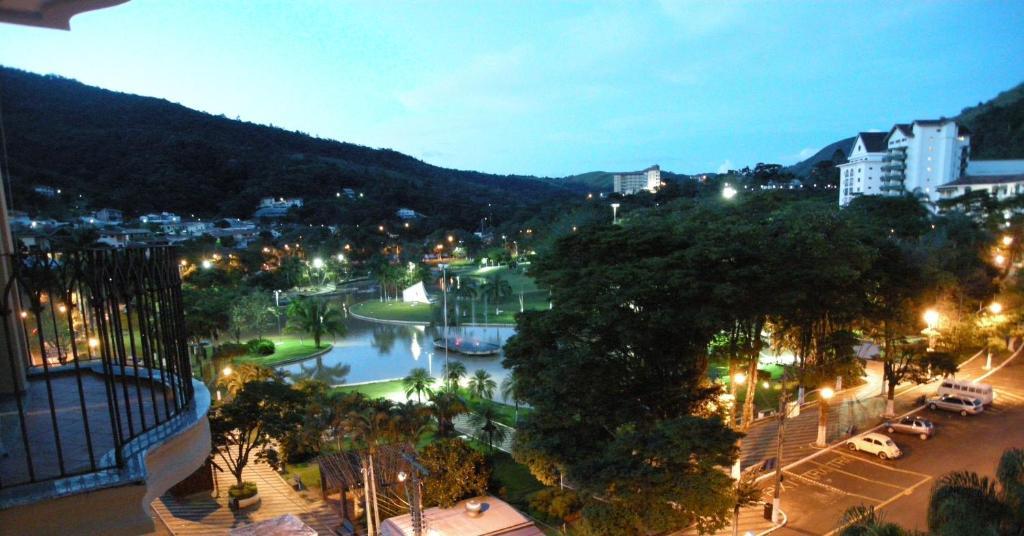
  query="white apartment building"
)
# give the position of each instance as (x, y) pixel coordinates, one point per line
(861, 174)
(929, 159)
(632, 182)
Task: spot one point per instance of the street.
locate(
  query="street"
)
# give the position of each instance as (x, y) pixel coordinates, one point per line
(817, 489)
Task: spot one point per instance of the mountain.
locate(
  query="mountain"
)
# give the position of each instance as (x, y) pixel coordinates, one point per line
(140, 154)
(997, 126)
(804, 167)
(997, 131)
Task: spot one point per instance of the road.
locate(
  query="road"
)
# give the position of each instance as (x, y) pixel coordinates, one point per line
(817, 489)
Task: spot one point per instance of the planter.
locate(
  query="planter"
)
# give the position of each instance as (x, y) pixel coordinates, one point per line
(242, 504)
(473, 508)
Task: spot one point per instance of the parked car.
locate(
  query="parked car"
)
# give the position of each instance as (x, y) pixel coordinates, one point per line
(958, 403)
(874, 443)
(918, 426)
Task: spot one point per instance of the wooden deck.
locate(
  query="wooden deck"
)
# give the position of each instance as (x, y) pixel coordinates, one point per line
(202, 514)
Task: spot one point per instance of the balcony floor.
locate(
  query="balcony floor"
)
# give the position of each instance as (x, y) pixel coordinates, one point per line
(67, 400)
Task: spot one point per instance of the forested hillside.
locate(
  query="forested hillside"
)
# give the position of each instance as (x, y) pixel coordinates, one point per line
(997, 126)
(143, 154)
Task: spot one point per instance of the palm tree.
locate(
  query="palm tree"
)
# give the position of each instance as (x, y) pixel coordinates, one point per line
(964, 502)
(454, 371)
(410, 419)
(486, 423)
(510, 391)
(316, 317)
(445, 406)
(481, 385)
(466, 289)
(496, 289)
(866, 521)
(418, 381)
(236, 378)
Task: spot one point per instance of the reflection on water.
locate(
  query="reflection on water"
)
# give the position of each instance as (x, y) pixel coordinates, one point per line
(372, 351)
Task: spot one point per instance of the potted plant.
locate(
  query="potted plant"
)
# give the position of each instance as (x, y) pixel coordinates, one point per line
(243, 496)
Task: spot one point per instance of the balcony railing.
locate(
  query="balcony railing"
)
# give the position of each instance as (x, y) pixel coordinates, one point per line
(96, 346)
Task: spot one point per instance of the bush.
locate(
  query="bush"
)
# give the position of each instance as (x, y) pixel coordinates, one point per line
(247, 490)
(230, 349)
(260, 347)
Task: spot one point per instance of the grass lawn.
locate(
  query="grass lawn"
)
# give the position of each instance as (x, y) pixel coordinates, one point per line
(394, 310)
(392, 389)
(309, 472)
(285, 349)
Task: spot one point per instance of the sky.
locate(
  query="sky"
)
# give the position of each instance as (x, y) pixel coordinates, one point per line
(546, 87)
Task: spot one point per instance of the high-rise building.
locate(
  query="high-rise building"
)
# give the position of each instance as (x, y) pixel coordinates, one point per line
(635, 181)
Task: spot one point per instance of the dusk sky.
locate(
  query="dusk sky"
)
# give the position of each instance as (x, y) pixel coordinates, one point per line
(550, 88)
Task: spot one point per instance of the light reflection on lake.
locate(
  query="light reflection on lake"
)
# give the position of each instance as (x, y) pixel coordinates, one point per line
(373, 351)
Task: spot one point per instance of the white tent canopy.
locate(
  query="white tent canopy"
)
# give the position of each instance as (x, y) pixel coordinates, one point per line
(415, 294)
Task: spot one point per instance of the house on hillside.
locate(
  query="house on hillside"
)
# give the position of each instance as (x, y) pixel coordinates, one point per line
(276, 207)
(861, 173)
(628, 183)
(160, 219)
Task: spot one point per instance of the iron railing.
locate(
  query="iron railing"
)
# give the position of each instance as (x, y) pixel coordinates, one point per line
(96, 341)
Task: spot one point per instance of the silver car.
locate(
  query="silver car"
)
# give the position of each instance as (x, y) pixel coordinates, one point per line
(961, 404)
(918, 426)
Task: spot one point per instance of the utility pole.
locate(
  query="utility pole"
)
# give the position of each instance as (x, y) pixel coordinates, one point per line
(444, 291)
(777, 498)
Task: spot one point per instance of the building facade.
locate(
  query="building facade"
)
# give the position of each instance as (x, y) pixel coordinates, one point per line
(929, 159)
(637, 181)
(862, 172)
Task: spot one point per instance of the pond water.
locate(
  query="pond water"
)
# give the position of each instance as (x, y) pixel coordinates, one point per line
(373, 351)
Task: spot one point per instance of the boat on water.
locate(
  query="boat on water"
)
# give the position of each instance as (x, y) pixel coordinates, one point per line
(471, 347)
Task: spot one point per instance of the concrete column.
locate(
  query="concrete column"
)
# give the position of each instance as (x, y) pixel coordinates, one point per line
(12, 380)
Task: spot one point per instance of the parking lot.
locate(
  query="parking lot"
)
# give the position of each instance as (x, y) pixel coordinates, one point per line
(819, 489)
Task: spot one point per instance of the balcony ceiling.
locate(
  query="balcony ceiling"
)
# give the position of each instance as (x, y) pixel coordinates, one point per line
(54, 14)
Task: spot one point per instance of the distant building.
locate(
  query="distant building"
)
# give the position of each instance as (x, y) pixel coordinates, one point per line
(160, 219)
(862, 172)
(46, 191)
(276, 207)
(109, 216)
(407, 214)
(636, 181)
(929, 159)
(19, 218)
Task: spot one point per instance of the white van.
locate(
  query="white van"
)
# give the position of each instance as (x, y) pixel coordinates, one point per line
(981, 391)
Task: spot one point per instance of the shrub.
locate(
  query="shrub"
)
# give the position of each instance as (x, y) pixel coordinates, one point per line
(455, 471)
(248, 489)
(230, 349)
(260, 347)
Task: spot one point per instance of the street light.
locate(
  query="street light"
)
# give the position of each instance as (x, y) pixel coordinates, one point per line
(931, 317)
(318, 263)
(1000, 260)
(615, 212)
(995, 308)
(1007, 240)
(728, 192)
(207, 264)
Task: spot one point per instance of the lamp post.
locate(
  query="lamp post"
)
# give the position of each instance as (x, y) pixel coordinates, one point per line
(728, 192)
(615, 212)
(444, 292)
(277, 309)
(931, 317)
(995, 308)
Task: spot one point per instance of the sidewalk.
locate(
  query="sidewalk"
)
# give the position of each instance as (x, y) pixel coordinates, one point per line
(752, 521)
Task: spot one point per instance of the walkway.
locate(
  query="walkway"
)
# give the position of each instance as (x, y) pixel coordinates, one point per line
(752, 521)
(202, 514)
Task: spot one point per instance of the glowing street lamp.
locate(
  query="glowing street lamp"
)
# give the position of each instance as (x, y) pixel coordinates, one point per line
(931, 317)
(318, 263)
(1007, 240)
(740, 378)
(207, 264)
(1000, 260)
(615, 213)
(729, 192)
(227, 371)
(995, 308)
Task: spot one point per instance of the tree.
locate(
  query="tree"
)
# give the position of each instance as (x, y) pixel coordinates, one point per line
(453, 372)
(964, 502)
(260, 412)
(446, 404)
(418, 381)
(510, 391)
(306, 440)
(866, 521)
(481, 385)
(315, 317)
(466, 290)
(455, 471)
(485, 420)
(616, 376)
(495, 289)
(243, 374)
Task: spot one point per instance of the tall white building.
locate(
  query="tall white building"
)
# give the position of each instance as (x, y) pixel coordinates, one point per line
(636, 181)
(924, 155)
(862, 172)
(929, 159)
